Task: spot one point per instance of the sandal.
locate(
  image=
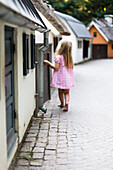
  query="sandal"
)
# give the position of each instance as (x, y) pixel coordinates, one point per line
(60, 105)
(65, 108)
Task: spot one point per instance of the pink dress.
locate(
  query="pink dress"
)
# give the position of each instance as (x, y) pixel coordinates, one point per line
(63, 78)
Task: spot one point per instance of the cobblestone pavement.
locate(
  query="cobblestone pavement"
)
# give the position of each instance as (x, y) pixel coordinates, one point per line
(81, 139)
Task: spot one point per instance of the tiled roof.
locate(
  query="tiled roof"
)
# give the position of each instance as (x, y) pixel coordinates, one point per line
(77, 27)
(51, 17)
(105, 27)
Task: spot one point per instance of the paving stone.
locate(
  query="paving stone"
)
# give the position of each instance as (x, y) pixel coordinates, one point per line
(31, 135)
(38, 149)
(50, 157)
(33, 131)
(38, 155)
(22, 162)
(52, 138)
(51, 147)
(62, 146)
(44, 126)
(62, 142)
(61, 161)
(62, 150)
(61, 167)
(36, 163)
(53, 134)
(42, 135)
(30, 139)
(22, 154)
(35, 127)
(52, 142)
(34, 168)
(48, 115)
(40, 144)
(26, 148)
(61, 138)
(49, 163)
(50, 152)
(42, 140)
(61, 155)
(21, 168)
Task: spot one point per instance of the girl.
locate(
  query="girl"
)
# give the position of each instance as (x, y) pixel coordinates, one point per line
(63, 76)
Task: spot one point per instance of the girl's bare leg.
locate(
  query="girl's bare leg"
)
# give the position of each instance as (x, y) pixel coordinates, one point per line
(61, 97)
(66, 94)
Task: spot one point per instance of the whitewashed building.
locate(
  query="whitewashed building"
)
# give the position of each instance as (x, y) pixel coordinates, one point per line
(18, 22)
(80, 37)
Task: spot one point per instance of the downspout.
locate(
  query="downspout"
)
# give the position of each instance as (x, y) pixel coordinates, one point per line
(41, 64)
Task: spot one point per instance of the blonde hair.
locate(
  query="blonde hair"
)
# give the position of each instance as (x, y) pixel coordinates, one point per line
(65, 48)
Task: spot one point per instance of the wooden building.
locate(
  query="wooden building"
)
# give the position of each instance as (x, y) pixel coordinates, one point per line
(102, 33)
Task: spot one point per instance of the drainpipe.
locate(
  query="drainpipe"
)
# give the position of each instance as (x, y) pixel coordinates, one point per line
(41, 64)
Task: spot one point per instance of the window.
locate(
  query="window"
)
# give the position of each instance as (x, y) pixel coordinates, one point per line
(32, 51)
(25, 54)
(79, 44)
(95, 34)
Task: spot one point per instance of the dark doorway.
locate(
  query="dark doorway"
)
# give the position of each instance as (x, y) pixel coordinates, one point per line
(9, 85)
(85, 48)
(99, 51)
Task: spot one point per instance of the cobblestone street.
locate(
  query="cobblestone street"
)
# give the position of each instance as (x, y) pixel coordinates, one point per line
(80, 139)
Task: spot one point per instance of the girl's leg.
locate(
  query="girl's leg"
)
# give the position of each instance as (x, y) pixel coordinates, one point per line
(66, 94)
(61, 97)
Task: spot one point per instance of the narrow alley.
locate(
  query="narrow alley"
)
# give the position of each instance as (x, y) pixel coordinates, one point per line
(80, 139)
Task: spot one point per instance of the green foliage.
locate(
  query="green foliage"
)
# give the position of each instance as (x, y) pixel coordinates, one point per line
(83, 10)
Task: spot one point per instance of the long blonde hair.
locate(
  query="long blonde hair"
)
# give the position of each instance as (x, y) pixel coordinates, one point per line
(65, 48)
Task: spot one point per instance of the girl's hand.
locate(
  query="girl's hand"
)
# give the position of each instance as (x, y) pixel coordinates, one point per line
(46, 62)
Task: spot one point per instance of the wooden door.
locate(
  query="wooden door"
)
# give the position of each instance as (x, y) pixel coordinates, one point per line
(99, 51)
(9, 83)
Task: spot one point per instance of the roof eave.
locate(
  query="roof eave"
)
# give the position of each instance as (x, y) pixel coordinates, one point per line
(51, 17)
(8, 15)
(96, 26)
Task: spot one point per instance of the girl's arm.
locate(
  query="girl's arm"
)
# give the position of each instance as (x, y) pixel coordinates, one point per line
(55, 67)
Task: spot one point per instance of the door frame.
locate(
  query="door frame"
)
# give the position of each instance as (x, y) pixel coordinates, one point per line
(11, 140)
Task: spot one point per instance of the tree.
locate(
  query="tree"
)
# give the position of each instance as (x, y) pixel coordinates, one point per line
(83, 10)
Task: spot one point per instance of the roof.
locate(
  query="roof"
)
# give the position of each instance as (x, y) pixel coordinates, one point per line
(51, 17)
(76, 26)
(20, 12)
(105, 28)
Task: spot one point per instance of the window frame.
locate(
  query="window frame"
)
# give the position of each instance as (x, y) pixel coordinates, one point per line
(79, 44)
(94, 34)
(25, 54)
(33, 52)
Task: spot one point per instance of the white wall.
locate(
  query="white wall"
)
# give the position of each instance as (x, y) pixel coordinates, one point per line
(25, 88)
(79, 52)
(24, 93)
